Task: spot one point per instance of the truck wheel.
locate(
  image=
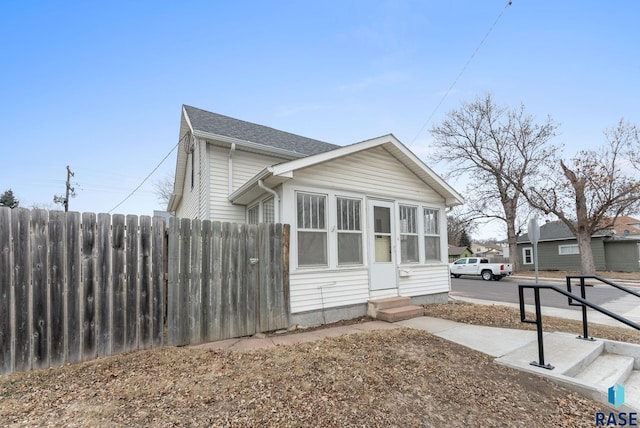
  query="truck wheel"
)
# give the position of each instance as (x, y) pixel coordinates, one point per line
(487, 275)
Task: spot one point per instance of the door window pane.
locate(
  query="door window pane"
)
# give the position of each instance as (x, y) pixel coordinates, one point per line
(382, 219)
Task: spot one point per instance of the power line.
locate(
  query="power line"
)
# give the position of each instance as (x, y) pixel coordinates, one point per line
(460, 74)
(147, 177)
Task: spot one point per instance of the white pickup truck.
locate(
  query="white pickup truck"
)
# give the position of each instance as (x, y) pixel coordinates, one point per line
(480, 266)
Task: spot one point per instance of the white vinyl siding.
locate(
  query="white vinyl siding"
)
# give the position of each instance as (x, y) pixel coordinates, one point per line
(194, 198)
(245, 166)
(424, 279)
(328, 289)
(374, 172)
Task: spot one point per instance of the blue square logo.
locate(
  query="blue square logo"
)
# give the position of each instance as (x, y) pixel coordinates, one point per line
(616, 395)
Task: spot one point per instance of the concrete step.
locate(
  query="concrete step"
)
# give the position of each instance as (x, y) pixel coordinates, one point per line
(567, 354)
(390, 302)
(606, 370)
(632, 389)
(400, 314)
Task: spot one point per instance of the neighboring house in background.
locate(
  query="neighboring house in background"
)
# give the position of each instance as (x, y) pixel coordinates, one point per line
(456, 253)
(627, 227)
(478, 249)
(558, 250)
(367, 220)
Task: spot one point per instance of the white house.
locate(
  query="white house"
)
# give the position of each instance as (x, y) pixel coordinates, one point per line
(367, 220)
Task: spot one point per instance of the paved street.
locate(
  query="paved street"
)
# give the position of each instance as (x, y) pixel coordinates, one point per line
(506, 290)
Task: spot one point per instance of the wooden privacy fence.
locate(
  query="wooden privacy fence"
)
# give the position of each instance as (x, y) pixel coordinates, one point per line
(74, 287)
(226, 280)
(77, 286)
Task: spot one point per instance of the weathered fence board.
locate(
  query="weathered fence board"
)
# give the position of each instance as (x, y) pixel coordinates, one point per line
(74, 275)
(21, 290)
(57, 300)
(74, 286)
(6, 273)
(158, 270)
(105, 287)
(119, 305)
(39, 287)
(57, 280)
(132, 285)
(225, 280)
(89, 255)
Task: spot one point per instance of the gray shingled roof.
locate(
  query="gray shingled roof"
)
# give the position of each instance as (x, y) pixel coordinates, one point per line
(554, 230)
(205, 121)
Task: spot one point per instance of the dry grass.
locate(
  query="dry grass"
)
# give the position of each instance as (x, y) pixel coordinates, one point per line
(403, 378)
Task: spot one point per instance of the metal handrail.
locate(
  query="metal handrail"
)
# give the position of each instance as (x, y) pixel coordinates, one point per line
(538, 321)
(582, 285)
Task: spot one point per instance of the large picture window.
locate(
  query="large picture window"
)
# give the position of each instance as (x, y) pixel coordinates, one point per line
(409, 234)
(564, 250)
(349, 231)
(431, 235)
(312, 230)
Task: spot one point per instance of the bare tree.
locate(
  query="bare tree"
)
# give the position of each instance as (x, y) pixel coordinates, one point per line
(590, 191)
(459, 223)
(498, 148)
(164, 189)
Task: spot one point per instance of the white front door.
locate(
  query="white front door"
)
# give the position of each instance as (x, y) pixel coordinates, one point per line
(382, 259)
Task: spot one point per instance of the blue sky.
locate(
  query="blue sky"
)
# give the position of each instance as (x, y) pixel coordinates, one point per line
(98, 85)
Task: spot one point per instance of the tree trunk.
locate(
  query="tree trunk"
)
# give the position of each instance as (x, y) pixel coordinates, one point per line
(587, 266)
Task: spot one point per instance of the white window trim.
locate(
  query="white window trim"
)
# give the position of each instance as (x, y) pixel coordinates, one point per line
(251, 207)
(327, 227)
(524, 257)
(334, 242)
(424, 234)
(421, 253)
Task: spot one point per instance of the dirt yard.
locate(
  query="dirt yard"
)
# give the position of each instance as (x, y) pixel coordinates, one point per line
(401, 378)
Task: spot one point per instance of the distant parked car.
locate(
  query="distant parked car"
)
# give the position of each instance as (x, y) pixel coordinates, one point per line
(480, 266)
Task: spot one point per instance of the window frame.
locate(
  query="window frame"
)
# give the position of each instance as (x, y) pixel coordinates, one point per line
(526, 250)
(257, 214)
(415, 234)
(341, 231)
(325, 230)
(427, 233)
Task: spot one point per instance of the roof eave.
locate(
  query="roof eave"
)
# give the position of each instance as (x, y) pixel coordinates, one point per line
(262, 148)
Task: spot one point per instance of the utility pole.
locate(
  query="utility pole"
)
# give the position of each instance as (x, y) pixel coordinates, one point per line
(65, 200)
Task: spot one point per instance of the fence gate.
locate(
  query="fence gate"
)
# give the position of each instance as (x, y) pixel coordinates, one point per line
(226, 280)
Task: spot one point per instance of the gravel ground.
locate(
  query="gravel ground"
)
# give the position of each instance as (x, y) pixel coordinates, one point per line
(401, 378)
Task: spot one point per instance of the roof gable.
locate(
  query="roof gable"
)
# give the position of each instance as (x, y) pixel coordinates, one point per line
(216, 124)
(275, 174)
